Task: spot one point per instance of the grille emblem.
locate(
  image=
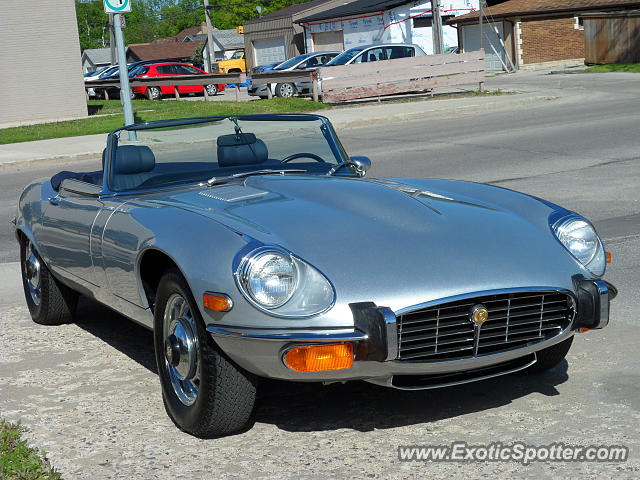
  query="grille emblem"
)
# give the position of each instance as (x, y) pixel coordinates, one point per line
(478, 314)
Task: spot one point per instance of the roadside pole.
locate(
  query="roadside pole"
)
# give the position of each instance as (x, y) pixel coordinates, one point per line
(436, 27)
(125, 91)
(211, 49)
(117, 8)
(112, 41)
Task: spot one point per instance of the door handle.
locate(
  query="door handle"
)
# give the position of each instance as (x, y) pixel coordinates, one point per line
(54, 200)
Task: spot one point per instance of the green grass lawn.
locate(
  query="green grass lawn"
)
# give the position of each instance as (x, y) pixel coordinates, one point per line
(615, 67)
(107, 115)
(18, 461)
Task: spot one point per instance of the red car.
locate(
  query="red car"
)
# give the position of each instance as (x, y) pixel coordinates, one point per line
(170, 69)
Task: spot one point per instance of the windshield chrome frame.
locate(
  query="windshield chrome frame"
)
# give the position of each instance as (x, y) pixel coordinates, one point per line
(112, 143)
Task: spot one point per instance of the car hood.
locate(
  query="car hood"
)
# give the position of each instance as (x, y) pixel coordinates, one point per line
(405, 239)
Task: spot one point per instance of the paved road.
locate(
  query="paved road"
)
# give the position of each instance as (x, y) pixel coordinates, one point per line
(90, 396)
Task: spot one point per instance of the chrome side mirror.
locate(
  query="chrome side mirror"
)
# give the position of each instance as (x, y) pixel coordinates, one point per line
(362, 164)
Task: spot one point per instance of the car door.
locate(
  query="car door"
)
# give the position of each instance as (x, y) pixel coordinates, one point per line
(371, 55)
(165, 71)
(188, 70)
(66, 229)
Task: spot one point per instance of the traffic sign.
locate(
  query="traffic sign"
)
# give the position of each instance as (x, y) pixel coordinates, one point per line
(117, 6)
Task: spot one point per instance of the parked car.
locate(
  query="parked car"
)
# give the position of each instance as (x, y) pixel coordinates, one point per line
(170, 70)
(253, 246)
(265, 68)
(235, 64)
(376, 52)
(96, 76)
(306, 61)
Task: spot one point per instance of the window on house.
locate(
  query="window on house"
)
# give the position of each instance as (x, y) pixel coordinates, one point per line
(422, 22)
(579, 25)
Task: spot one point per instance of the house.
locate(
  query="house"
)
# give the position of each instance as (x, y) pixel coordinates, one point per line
(40, 41)
(276, 36)
(161, 50)
(95, 58)
(363, 22)
(227, 42)
(532, 33)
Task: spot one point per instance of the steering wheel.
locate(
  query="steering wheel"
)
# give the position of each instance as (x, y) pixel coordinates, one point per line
(312, 156)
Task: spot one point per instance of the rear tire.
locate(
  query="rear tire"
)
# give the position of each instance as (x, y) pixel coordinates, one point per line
(49, 301)
(204, 393)
(551, 356)
(153, 93)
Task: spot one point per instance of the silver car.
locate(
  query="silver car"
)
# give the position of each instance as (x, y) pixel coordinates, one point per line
(307, 61)
(253, 246)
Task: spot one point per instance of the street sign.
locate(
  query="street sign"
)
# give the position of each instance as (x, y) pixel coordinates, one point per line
(117, 6)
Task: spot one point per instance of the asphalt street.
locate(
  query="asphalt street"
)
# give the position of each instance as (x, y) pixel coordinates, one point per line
(90, 397)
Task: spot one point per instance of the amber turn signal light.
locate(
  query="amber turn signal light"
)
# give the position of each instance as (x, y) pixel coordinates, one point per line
(608, 255)
(582, 330)
(218, 302)
(316, 358)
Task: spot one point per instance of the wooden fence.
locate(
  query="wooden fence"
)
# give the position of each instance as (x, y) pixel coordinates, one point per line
(402, 75)
(269, 78)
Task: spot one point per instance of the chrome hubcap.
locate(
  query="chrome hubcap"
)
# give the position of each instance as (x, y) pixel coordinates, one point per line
(32, 269)
(212, 89)
(181, 349)
(286, 90)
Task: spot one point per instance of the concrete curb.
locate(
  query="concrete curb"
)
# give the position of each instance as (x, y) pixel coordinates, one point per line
(342, 118)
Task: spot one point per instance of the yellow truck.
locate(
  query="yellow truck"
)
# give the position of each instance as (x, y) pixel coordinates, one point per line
(235, 64)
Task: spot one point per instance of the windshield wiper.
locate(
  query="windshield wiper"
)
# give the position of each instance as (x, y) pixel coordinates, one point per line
(235, 176)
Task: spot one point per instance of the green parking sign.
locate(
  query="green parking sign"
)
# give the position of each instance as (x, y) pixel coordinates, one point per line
(117, 6)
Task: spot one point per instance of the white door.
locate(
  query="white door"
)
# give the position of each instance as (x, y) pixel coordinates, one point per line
(268, 50)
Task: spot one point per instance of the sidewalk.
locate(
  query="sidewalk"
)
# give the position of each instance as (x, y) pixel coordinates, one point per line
(390, 109)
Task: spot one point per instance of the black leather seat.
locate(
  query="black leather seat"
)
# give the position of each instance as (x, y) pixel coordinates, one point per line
(241, 149)
(132, 166)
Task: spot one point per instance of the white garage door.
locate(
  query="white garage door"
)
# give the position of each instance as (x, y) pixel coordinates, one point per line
(494, 52)
(268, 50)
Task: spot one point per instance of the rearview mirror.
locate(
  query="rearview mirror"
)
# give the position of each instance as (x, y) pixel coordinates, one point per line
(362, 164)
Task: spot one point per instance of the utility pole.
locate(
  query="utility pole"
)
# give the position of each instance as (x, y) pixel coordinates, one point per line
(125, 91)
(112, 41)
(210, 46)
(481, 15)
(436, 27)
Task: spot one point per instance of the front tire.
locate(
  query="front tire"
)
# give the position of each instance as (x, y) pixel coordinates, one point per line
(212, 90)
(49, 301)
(551, 356)
(285, 90)
(204, 393)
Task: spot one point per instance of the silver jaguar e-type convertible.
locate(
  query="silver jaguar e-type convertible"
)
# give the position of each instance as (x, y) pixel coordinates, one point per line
(254, 246)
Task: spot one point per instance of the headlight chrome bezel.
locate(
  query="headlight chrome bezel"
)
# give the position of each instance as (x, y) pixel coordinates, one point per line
(304, 271)
(559, 220)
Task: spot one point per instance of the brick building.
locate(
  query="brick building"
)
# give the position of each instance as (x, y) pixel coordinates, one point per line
(529, 33)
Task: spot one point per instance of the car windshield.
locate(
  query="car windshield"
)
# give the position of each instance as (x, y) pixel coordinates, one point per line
(292, 62)
(172, 153)
(344, 57)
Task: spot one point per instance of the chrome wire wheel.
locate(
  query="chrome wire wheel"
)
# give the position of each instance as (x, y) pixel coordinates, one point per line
(181, 349)
(32, 273)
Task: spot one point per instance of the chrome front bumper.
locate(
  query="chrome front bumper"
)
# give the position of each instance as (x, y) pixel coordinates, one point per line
(375, 340)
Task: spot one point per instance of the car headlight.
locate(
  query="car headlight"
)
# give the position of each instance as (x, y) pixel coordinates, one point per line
(283, 285)
(580, 238)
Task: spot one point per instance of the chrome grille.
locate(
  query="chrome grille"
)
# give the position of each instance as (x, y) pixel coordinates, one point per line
(445, 332)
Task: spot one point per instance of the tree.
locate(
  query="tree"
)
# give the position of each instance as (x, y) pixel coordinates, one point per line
(152, 19)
